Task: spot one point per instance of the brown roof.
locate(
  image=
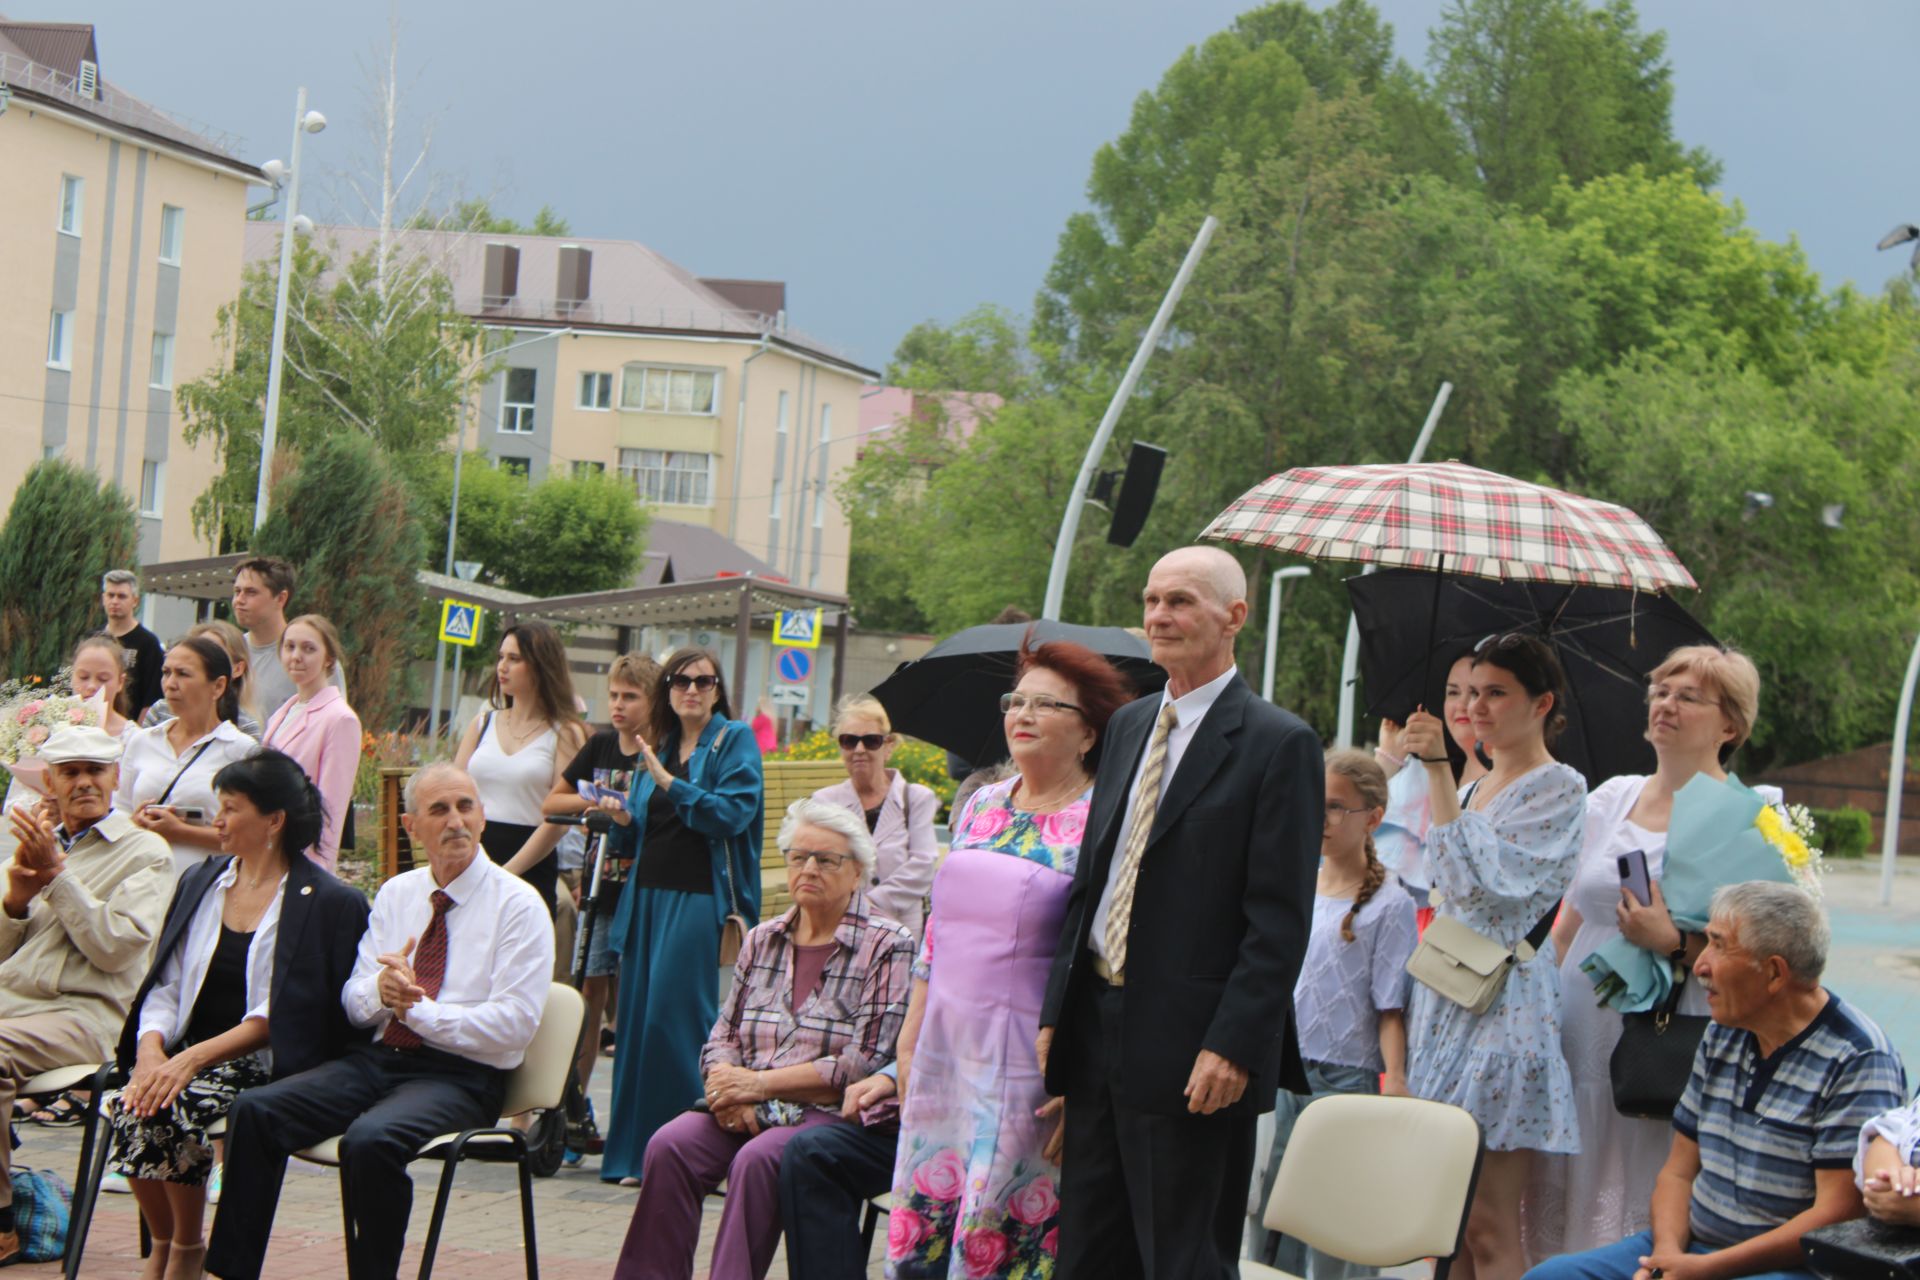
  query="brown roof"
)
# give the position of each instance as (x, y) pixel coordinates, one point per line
(680, 552)
(40, 61)
(633, 288)
(768, 297)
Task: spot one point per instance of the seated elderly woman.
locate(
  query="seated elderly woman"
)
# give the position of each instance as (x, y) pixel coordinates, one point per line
(817, 1000)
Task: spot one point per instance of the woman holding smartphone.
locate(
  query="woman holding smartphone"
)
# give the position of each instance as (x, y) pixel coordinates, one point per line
(1701, 704)
(166, 775)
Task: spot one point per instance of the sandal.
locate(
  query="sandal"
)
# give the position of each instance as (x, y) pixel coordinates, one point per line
(23, 1108)
(62, 1111)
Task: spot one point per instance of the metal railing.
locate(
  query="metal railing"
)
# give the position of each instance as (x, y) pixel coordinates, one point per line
(122, 108)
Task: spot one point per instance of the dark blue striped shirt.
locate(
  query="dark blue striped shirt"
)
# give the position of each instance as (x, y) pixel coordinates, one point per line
(1764, 1125)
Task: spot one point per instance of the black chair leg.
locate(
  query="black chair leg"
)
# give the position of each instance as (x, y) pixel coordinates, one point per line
(869, 1221)
(447, 1168)
(526, 1215)
(94, 1147)
(346, 1216)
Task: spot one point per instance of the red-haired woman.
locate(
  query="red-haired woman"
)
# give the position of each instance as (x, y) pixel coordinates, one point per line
(977, 1169)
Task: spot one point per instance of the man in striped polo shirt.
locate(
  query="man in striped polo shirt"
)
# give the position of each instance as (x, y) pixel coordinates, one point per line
(1765, 1135)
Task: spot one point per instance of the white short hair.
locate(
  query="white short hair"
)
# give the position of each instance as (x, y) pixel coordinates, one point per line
(810, 812)
(411, 792)
(1773, 919)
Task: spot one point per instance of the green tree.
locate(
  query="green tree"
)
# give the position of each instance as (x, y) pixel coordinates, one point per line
(346, 517)
(983, 352)
(64, 530)
(1545, 90)
(477, 215)
(568, 534)
(391, 364)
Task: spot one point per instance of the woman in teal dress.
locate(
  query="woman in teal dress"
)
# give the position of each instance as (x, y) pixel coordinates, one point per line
(693, 824)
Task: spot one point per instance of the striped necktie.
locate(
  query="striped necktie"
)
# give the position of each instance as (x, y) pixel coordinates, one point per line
(1145, 804)
(429, 970)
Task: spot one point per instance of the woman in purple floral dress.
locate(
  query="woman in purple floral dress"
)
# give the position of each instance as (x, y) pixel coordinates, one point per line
(975, 1183)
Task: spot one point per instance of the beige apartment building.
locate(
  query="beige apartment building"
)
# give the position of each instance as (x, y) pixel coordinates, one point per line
(119, 242)
(697, 391)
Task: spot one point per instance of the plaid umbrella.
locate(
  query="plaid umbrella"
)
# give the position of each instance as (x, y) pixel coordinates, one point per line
(1452, 517)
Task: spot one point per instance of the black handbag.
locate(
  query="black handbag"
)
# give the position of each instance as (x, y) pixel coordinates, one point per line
(1654, 1058)
(1863, 1249)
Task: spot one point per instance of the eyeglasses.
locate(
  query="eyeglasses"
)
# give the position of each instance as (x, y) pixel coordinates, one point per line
(684, 682)
(1685, 697)
(1499, 641)
(871, 741)
(798, 858)
(1339, 813)
(1012, 704)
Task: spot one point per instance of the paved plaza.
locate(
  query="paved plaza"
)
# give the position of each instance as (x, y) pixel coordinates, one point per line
(581, 1223)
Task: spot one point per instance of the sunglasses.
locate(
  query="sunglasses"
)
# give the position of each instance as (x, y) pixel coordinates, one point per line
(685, 682)
(871, 741)
(1499, 642)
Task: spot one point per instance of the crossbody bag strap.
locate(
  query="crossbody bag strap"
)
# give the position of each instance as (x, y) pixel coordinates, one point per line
(183, 771)
(726, 857)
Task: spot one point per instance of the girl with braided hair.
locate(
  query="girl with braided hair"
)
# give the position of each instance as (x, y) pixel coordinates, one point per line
(1349, 1001)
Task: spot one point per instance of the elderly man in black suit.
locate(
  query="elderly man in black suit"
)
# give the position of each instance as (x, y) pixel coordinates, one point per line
(1168, 1019)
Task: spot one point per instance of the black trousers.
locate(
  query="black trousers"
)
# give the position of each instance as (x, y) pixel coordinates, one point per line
(387, 1104)
(827, 1174)
(1157, 1197)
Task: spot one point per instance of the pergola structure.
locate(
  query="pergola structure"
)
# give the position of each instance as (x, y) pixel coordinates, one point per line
(708, 602)
(211, 578)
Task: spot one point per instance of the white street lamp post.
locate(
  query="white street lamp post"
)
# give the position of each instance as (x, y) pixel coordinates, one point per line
(304, 122)
(1273, 623)
(1897, 777)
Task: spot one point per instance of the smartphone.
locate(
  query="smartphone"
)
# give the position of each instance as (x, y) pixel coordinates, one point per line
(1633, 875)
(192, 814)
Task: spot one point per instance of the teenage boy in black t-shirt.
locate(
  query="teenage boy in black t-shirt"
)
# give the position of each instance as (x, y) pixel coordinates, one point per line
(608, 760)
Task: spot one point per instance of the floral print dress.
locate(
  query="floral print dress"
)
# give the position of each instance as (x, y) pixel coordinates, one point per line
(972, 1194)
(1498, 870)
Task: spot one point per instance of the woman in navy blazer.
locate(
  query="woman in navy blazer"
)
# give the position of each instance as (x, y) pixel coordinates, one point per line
(316, 726)
(217, 1013)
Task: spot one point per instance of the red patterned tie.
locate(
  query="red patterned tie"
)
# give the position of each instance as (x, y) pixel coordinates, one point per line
(429, 967)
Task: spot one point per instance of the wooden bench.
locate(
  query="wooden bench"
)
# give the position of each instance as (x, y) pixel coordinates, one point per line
(787, 781)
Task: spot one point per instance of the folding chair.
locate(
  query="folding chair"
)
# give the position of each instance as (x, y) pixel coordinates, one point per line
(1418, 1158)
(93, 1077)
(539, 1083)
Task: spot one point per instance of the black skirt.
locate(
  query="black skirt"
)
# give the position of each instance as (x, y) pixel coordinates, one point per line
(502, 840)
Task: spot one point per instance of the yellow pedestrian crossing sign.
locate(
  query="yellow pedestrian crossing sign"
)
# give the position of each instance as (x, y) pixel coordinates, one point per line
(797, 627)
(459, 622)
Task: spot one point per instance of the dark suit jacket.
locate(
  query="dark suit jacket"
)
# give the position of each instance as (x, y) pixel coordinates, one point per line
(1222, 907)
(321, 920)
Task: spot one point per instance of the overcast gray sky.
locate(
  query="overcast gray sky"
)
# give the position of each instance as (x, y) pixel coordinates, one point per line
(906, 160)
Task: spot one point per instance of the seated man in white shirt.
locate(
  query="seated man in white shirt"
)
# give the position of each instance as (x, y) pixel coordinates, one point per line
(451, 979)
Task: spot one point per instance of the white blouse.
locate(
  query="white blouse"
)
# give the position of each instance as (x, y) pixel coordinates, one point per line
(168, 1008)
(149, 766)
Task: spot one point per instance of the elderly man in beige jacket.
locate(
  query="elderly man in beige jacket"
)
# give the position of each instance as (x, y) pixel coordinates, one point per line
(83, 903)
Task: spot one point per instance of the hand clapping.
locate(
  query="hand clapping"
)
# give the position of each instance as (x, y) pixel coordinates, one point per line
(398, 986)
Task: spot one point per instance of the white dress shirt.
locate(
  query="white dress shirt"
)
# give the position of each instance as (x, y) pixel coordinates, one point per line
(168, 1008)
(1189, 710)
(499, 962)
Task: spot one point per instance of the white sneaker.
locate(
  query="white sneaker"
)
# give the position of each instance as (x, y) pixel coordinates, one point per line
(116, 1184)
(213, 1184)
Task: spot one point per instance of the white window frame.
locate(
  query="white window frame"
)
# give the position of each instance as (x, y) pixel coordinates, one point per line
(780, 422)
(600, 398)
(517, 416)
(670, 380)
(153, 492)
(71, 225)
(160, 369)
(819, 508)
(669, 477)
(60, 340)
(173, 227)
(826, 423)
(773, 501)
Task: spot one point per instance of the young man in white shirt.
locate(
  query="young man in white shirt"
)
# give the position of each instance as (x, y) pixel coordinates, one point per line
(451, 980)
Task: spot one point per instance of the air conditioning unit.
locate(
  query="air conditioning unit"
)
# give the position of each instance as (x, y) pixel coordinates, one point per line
(89, 79)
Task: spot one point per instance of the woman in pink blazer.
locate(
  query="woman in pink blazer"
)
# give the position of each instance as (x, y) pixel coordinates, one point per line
(898, 813)
(316, 726)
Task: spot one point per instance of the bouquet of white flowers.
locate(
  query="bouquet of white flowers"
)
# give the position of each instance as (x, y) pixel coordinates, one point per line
(31, 709)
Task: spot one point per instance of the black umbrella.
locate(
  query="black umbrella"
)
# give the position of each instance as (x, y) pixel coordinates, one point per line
(951, 695)
(1608, 639)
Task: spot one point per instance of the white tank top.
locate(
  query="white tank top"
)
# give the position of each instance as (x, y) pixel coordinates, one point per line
(512, 786)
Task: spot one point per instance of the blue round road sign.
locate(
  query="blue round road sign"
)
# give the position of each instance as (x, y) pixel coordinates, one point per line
(795, 665)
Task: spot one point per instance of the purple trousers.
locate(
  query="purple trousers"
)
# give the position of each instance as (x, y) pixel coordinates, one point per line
(686, 1159)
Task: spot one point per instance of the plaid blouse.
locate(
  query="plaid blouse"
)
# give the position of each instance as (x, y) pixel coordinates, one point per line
(846, 1029)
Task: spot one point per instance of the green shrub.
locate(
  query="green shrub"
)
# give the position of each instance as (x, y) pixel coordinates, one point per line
(1844, 833)
(64, 530)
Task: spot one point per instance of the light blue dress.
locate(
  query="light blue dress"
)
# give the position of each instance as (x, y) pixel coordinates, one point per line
(1499, 870)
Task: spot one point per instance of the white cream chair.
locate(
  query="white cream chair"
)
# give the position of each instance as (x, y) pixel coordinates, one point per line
(539, 1083)
(1378, 1181)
